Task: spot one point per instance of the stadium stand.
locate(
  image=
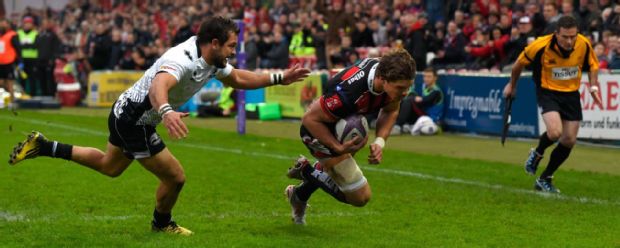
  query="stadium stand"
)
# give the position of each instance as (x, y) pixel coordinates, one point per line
(453, 36)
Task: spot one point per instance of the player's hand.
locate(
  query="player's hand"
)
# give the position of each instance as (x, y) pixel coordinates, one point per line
(352, 145)
(509, 91)
(295, 74)
(175, 126)
(376, 154)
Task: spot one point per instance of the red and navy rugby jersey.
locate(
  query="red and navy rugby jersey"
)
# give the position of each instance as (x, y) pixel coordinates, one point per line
(350, 91)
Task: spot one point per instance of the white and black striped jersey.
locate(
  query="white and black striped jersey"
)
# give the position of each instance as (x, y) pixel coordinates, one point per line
(185, 63)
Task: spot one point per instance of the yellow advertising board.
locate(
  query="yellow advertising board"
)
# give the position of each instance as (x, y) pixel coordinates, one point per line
(295, 98)
(104, 87)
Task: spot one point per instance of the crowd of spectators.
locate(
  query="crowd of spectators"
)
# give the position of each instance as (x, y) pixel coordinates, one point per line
(478, 35)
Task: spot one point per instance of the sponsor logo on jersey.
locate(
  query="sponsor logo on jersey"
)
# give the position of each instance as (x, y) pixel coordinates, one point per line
(155, 139)
(356, 77)
(363, 102)
(565, 73)
(350, 73)
(165, 67)
(333, 103)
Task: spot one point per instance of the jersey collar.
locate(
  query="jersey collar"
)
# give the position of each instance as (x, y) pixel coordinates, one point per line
(558, 49)
(371, 80)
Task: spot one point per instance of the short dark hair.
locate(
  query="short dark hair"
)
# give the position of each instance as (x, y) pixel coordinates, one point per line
(432, 70)
(566, 21)
(396, 65)
(216, 27)
(555, 7)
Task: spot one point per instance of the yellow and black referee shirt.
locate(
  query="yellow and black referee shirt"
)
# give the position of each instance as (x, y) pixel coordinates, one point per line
(554, 71)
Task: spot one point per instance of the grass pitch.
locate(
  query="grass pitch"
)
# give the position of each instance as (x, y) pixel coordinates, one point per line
(430, 191)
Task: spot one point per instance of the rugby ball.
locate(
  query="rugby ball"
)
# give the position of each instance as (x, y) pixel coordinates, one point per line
(350, 127)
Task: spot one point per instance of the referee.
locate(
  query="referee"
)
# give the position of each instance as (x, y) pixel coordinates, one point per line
(557, 61)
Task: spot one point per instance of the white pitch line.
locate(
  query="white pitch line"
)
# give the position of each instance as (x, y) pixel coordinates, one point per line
(9, 217)
(367, 168)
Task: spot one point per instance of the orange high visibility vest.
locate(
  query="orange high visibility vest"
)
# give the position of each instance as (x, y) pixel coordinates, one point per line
(7, 51)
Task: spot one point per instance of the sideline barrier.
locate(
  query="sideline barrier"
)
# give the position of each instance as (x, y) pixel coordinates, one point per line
(475, 104)
(600, 122)
(295, 98)
(104, 87)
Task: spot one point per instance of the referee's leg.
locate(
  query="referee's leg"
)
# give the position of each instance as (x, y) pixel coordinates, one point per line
(553, 123)
(563, 149)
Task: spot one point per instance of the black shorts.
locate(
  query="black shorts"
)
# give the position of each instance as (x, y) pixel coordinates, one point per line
(136, 141)
(568, 104)
(315, 147)
(7, 71)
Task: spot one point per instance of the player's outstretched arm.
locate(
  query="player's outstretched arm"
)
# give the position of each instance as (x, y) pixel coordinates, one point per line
(158, 95)
(244, 79)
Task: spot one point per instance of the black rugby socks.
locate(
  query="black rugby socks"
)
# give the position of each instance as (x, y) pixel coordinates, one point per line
(56, 149)
(558, 156)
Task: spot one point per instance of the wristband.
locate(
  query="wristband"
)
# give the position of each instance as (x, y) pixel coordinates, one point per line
(164, 109)
(380, 142)
(593, 88)
(276, 78)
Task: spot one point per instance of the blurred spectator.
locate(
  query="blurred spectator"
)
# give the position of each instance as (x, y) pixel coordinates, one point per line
(614, 52)
(10, 56)
(81, 37)
(520, 37)
(99, 45)
(29, 54)
(183, 31)
(314, 29)
(221, 105)
(251, 48)
(552, 15)
(339, 23)
(418, 41)
(480, 51)
(379, 33)
(116, 50)
(279, 9)
(599, 51)
(452, 52)
(421, 114)
(345, 56)
(301, 42)
(537, 19)
(362, 35)
(49, 48)
(136, 61)
(277, 55)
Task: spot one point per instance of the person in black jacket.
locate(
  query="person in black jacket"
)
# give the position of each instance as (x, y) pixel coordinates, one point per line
(99, 48)
(277, 56)
(418, 41)
(49, 47)
(183, 33)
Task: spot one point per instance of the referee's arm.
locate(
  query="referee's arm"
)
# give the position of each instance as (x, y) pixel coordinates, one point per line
(593, 67)
(511, 87)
